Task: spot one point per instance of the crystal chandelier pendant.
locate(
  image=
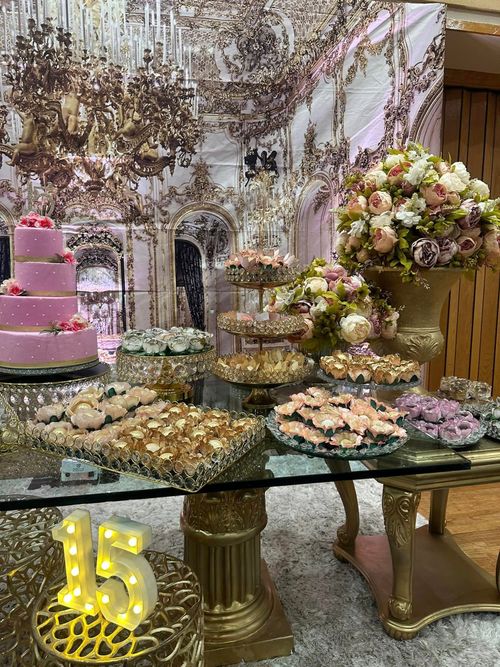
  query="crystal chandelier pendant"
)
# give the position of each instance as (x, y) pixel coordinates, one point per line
(95, 95)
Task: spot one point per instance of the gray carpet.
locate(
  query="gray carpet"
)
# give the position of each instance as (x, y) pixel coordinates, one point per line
(328, 604)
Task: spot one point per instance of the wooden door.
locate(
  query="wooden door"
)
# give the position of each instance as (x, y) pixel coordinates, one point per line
(471, 318)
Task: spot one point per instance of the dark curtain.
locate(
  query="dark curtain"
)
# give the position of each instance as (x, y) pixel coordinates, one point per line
(188, 274)
(4, 258)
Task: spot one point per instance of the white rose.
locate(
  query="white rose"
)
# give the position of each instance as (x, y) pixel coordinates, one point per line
(132, 342)
(392, 160)
(358, 228)
(355, 328)
(316, 285)
(452, 182)
(319, 307)
(480, 188)
(154, 345)
(383, 220)
(378, 176)
(416, 172)
(408, 218)
(460, 170)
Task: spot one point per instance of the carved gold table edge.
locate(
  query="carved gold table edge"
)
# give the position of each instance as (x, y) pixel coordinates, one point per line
(418, 576)
(244, 618)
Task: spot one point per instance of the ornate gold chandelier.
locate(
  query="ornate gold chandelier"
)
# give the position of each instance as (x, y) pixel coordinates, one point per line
(93, 96)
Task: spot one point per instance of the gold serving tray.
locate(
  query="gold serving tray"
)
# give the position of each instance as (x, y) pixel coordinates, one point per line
(285, 326)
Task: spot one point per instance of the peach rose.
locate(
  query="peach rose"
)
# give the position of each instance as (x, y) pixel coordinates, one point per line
(352, 243)
(113, 411)
(467, 246)
(384, 239)
(435, 194)
(356, 207)
(50, 413)
(88, 418)
(380, 202)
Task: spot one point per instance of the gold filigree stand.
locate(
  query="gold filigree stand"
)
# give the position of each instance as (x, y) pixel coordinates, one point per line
(29, 558)
(418, 576)
(260, 398)
(244, 619)
(172, 635)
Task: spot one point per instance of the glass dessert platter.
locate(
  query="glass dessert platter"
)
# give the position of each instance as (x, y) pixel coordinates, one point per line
(275, 329)
(366, 451)
(462, 444)
(367, 388)
(170, 376)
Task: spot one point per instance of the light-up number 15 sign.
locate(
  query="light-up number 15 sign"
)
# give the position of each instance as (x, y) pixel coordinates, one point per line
(130, 593)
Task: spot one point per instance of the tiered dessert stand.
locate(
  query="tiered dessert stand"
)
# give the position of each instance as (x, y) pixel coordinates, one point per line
(264, 331)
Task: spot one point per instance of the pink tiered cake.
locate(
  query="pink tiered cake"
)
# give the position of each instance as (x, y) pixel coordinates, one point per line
(39, 324)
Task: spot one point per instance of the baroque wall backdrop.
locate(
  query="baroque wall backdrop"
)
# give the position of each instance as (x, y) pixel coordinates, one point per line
(328, 86)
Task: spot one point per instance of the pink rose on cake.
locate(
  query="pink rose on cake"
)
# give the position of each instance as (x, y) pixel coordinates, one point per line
(78, 323)
(35, 220)
(11, 287)
(68, 256)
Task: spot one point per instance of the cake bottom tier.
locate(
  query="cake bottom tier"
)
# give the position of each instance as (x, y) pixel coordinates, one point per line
(47, 350)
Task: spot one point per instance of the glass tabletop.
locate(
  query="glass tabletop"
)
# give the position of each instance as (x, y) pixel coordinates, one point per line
(30, 478)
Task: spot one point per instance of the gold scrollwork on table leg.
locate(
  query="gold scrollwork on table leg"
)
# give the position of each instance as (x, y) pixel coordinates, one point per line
(437, 513)
(243, 616)
(400, 511)
(346, 534)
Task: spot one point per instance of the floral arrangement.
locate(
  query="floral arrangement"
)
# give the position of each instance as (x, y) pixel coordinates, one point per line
(36, 220)
(339, 422)
(11, 287)
(254, 259)
(337, 308)
(75, 323)
(415, 210)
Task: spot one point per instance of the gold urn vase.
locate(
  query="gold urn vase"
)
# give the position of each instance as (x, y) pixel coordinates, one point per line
(419, 335)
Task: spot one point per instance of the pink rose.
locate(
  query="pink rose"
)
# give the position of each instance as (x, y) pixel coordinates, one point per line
(352, 284)
(11, 287)
(65, 326)
(491, 245)
(435, 194)
(396, 174)
(68, 256)
(77, 322)
(380, 202)
(390, 326)
(356, 207)
(308, 333)
(384, 239)
(334, 272)
(46, 223)
(467, 246)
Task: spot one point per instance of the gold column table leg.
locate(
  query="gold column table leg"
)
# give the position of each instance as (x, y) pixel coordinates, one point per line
(418, 576)
(244, 619)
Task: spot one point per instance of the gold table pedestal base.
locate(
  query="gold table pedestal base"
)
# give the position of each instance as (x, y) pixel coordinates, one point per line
(244, 619)
(445, 580)
(274, 639)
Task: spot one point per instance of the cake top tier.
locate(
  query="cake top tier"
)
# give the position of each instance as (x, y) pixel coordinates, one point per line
(36, 239)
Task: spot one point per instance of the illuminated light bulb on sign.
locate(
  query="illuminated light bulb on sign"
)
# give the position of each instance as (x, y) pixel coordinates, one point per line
(75, 534)
(130, 593)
